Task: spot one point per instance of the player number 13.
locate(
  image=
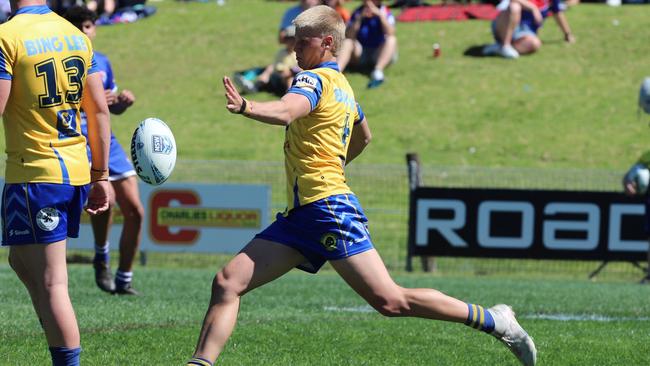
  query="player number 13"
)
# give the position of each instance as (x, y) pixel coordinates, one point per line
(75, 69)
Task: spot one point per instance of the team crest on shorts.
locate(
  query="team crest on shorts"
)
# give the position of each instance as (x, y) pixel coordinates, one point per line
(329, 241)
(48, 218)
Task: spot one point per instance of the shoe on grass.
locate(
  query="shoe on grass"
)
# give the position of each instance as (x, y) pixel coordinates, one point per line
(103, 276)
(126, 289)
(510, 333)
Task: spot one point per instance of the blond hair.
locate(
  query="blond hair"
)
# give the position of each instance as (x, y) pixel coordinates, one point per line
(322, 21)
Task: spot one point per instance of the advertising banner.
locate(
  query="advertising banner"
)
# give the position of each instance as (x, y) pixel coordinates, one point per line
(536, 224)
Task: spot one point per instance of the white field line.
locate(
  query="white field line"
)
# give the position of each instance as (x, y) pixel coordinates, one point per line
(555, 317)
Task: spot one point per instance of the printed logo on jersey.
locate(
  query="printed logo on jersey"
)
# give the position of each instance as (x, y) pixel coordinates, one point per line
(13, 232)
(329, 241)
(66, 123)
(161, 144)
(306, 82)
(48, 218)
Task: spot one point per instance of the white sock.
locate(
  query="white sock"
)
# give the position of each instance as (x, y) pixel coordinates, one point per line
(123, 277)
(378, 74)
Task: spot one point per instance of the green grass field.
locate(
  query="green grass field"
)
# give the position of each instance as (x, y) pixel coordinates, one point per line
(569, 106)
(316, 320)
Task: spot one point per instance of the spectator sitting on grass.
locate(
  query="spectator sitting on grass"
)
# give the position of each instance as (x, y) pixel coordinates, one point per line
(371, 41)
(515, 27)
(276, 77)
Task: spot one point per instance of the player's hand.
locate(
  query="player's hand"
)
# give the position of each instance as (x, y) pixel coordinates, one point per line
(234, 101)
(369, 9)
(98, 197)
(126, 97)
(111, 97)
(629, 188)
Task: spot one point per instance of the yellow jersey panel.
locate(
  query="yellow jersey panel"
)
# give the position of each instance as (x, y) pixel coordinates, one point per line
(47, 60)
(316, 145)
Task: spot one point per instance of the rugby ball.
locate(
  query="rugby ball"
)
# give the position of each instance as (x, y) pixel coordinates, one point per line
(640, 176)
(153, 151)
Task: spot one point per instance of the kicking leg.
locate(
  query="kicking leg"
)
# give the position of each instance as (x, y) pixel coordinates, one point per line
(368, 276)
(260, 262)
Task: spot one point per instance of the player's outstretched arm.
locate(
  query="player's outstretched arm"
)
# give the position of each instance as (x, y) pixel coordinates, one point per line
(281, 112)
(99, 137)
(5, 89)
(360, 138)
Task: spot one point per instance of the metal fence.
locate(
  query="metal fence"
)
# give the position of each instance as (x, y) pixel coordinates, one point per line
(383, 192)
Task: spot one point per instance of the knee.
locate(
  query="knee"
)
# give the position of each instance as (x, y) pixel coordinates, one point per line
(224, 288)
(394, 305)
(514, 8)
(536, 44)
(134, 212)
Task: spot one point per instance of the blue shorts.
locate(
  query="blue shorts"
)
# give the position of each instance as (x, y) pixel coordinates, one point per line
(523, 29)
(328, 229)
(41, 213)
(119, 166)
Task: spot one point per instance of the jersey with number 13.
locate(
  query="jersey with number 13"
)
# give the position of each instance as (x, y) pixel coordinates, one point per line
(47, 60)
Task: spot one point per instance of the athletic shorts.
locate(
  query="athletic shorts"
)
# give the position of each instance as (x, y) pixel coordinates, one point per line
(41, 213)
(328, 229)
(523, 29)
(119, 166)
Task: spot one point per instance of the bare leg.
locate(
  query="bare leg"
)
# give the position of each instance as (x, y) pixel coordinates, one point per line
(43, 270)
(367, 275)
(128, 198)
(506, 22)
(260, 262)
(101, 223)
(386, 53)
(527, 44)
(349, 52)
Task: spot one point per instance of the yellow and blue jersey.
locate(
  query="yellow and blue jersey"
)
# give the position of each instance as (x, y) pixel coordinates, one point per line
(47, 59)
(316, 145)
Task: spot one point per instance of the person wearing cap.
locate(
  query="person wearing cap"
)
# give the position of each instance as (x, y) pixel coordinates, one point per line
(277, 77)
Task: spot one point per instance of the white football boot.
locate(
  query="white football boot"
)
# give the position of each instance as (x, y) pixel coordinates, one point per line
(508, 331)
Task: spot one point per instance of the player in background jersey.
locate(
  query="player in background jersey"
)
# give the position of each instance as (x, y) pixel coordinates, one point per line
(515, 27)
(325, 129)
(47, 74)
(124, 185)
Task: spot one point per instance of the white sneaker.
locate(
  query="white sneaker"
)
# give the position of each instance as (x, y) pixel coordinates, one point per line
(508, 52)
(491, 49)
(508, 331)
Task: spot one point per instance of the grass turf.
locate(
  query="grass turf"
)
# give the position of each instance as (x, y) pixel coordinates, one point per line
(317, 320)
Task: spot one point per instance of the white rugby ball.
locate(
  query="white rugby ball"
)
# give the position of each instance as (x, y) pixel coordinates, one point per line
(153, 151)
(640, 175)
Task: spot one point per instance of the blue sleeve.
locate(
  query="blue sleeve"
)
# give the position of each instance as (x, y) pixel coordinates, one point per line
(4, 71)
(109, 84)
(360, 115)
(308, 84)
(93, 65)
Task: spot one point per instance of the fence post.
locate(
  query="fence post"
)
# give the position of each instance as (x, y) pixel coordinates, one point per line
(415, 180)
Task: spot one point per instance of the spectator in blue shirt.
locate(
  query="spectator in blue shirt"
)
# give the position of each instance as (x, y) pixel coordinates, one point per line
(291, 14)
(371, 41)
